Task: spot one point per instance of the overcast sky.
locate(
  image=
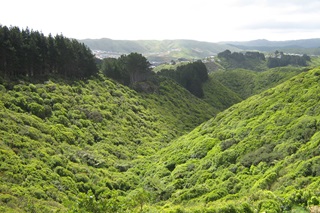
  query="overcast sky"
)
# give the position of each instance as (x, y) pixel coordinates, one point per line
(203, 20)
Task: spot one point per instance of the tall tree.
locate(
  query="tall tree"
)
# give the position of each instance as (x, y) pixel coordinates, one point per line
(30, 53)
(137, 67)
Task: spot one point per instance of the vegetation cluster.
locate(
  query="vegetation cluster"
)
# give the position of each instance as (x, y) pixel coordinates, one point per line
(30, 53)
(127, 69)
(259, 62)
(261, 155)
(62, 142)
(191, 76)
(280, 60)
(248, 60)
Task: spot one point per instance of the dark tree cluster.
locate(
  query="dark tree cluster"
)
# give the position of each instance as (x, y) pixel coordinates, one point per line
(240, 57)
(281, 60)
(191, 76)
(127, 69)
(30, 53)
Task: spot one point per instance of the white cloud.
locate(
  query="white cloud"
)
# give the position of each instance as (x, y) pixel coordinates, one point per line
(167, 19)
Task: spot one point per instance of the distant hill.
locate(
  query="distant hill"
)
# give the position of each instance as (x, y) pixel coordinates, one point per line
(309, 46)
(303, 43)
(156, 50)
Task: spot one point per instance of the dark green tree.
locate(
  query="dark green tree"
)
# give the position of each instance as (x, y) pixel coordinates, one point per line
(137, 67)
(191, 76)
(128, 69)
(112, 68)
(30, 53)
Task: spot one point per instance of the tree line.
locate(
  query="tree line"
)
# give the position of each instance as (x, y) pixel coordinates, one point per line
(29, 53)
(280, 60)
(239, 57)
(133, 68)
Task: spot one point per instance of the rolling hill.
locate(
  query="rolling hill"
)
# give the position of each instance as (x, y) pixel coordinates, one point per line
(308, 46)
(156, 50)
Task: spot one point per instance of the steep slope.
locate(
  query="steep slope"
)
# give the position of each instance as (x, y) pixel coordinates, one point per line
(60, 140)
(261, 155)
(218, 95)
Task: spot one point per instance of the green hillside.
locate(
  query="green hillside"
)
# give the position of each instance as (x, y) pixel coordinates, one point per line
(261, 155)
(61, 140)
(246, 83)
(218, 95)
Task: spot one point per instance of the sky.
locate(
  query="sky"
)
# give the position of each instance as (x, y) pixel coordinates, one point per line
(202, 20)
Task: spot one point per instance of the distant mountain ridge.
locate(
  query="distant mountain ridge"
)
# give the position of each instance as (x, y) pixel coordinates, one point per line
(302, 43)
(167, 50)
(310, 46)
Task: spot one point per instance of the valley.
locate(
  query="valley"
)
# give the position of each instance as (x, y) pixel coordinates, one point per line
(78, 134)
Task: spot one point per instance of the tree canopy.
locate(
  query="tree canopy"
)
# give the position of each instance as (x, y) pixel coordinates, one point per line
(248, 60)
(30, 53)
(280, 60)
(128, 69)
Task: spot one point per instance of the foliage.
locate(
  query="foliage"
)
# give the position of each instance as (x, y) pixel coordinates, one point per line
(62, 142)
(30, 53)
(218, 95)
(263, 151)
(128, 69)
(246, 83)
(280, 60)
(95, 145)
(248, 60)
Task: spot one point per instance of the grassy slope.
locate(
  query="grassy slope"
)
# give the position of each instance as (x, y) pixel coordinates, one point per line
(259, 155)
(60, 140)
